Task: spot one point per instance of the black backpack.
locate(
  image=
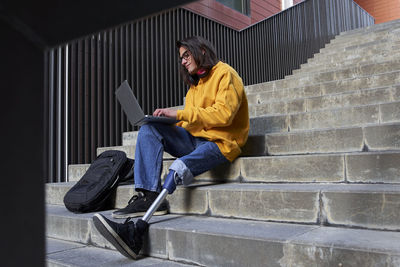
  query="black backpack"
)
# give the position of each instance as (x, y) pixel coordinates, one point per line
(94, 190)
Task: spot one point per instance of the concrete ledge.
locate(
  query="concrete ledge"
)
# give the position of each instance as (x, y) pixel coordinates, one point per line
(62, 253)
(317, 67)
(289, 169)
(373, 167)
(324, 141)
(382, 95)
(214, 242)
(274, 91)
(368, 206)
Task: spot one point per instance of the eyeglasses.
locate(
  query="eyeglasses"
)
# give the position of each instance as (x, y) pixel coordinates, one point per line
(185, 55)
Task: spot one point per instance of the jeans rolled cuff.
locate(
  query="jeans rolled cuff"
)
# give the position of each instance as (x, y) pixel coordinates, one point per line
(182, 171)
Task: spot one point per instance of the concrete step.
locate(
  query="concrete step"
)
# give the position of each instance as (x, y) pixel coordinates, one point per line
(295, 88)
(383, 56)
(357, 48)
(350, 54)
(340, 42)
(395, 24)
(371, 206)
(326, 119)
(335, 140)
(360, 167)
(321, 133)
(349, 71)
(232, 242)
(261, 104)
(64, 253)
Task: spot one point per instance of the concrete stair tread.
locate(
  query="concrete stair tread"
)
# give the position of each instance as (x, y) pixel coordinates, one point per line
(244, 242)
(372, 205)
(299, 98)
(316, 138)
(376, 40)
(374, 27)
(325, 66)
(280, 187)
(363, 115)
(359, 167)
(355, 49)
(352, 69)
(272, 85)
(355, 98)
(64, 253)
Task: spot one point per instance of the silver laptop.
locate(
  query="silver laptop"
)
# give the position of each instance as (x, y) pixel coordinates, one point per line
(133, 110)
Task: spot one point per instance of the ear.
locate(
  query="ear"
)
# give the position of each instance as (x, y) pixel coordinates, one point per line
(203, 51)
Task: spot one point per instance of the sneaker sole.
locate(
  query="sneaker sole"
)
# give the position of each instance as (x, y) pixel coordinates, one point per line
(108, 233)
(137, 214)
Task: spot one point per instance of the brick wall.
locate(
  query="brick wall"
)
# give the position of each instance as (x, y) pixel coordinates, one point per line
(382, 11)
(297, 1)
(259, 10)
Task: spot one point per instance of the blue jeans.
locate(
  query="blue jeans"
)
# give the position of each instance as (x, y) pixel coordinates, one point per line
(194, 155)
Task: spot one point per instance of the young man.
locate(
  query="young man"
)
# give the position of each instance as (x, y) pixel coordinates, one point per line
(212, 128)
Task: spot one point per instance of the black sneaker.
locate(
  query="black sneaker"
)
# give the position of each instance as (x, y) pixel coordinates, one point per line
(126, 237)
(138, 205)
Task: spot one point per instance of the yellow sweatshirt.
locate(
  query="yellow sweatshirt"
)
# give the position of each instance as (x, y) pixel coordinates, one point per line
(217, 110)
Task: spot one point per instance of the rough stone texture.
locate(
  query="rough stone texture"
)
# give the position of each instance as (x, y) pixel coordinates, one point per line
(255, 146)
(75, 229)
(390, 112)
(349, 54)
(332, 247)
(189, 200)
(76, 171)
(327, 256)
(383, 137)
(357, 98)
(72, 254)
(129, 138)
(374, 207)
(380, 56)
(327, 141)
(346, 72)
(262, 202)
(318, 168)
(373, 168)
(55, 192)
(211, 250)
(56, 245)
(316, 102)
(229, 172)
(268, 124)
(215, 242)
(353, 116)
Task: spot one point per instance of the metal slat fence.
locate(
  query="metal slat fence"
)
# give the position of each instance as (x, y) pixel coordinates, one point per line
(82, 112)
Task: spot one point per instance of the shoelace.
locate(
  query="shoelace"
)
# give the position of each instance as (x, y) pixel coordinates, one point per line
(127, 220)
(135, 197)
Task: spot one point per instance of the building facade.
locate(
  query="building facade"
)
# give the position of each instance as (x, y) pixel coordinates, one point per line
(240, 14)
(382, 11)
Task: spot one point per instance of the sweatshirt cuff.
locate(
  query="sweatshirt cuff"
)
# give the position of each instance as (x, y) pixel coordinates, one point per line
(180, 115)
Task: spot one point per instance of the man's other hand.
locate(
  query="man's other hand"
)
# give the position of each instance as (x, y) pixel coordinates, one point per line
(166, 112)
